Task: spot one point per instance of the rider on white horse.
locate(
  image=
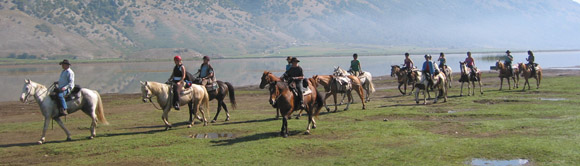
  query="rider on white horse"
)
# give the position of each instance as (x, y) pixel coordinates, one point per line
(64, 86)
(429, 70)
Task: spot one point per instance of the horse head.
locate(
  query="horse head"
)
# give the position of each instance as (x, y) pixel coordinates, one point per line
(463, 68)
(498, 65)
(266, 79)
(145, 91)
(28, 90)
(274, 93)
(394, 70)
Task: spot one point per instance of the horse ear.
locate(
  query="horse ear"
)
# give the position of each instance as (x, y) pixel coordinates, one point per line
(142, 83)
(27, 81)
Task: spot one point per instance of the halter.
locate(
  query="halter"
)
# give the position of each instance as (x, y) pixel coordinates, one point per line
(149, 97)
(36, 95)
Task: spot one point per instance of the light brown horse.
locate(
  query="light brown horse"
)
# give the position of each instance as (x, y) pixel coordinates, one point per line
(505, 73)
(283, 98)
(196, 97)
(403, 79)
(468, 76)
(527, 73)
(331, 87)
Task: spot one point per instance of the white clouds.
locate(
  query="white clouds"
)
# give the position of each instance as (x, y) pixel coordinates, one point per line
(577, 1)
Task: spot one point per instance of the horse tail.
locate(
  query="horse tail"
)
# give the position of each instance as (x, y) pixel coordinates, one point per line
(232, 94)
(205, 101)
(100, 112)
(319, 103)
(371, 85)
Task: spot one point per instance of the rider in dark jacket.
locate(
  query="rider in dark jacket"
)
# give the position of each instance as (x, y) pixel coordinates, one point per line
(296, 75)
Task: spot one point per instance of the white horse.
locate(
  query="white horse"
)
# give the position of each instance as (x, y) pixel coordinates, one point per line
(365, 78)
(196, 97)
(89, 101)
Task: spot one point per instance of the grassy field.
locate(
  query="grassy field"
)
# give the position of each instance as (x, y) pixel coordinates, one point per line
(539, 125)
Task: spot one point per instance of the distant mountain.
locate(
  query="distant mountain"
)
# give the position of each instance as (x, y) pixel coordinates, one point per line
(89, 29)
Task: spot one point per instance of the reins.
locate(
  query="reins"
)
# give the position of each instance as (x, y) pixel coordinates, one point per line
(158, 108)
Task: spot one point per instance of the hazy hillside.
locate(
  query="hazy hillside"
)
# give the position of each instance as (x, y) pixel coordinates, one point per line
(90, 29)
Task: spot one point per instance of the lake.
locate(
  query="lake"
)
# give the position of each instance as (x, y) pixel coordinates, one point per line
(125, 77)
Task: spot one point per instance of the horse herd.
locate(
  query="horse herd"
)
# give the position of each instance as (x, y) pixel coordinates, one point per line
(281, 95)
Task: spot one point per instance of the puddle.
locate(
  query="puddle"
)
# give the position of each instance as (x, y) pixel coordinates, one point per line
(553, 99)
(495, 101)
(478, 162)
(211, 135)
(444, 112)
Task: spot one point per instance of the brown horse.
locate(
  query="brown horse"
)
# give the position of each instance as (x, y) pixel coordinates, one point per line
(527, 73)
(332, 87)
(468, 76)
(505, 73)
(224, 89)
(283, 98)
(402, 78)
(267, 78)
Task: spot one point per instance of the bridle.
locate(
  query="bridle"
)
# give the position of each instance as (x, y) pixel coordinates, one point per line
(148, 96)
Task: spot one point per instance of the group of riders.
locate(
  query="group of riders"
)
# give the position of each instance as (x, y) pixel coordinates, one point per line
(294, 74)
(430, 70)
(179, 78)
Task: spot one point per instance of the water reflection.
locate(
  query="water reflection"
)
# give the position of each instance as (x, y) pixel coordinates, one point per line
(481, 162)
(125, 77)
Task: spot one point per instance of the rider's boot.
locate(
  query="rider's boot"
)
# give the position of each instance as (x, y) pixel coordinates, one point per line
(62, 112)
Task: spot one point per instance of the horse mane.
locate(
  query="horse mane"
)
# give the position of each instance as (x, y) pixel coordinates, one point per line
(156, 86)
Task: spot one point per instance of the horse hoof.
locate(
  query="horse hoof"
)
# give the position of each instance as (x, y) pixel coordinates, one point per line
(39, 142)
(307, 133)
(228, 119)
(189, 126)
(205, 123)
(212, 121)
(364, 108)
(314, 127)
(297, 117)
(90, 137)
(68, 139)
(327, 109)
(285, 135)
(417, 102)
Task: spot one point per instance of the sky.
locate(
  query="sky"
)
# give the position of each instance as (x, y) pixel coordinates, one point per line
(577, 1)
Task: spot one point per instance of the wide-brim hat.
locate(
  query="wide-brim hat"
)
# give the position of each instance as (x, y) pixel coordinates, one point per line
(64, 62)
(508, 51)
(294, 59)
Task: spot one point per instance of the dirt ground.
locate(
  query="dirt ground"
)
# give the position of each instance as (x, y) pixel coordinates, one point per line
(16, 111)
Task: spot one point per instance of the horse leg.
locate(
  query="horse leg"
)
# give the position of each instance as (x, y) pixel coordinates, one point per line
(219, 108)
(360, 94)
(57, 119)
(46, 122)
(424, 96)
(405, 86)
(284, 131)
(226, 109)
(328, 94)
(191, 112)
(164, 117)
(349, 94)
(335, 105)
(309, 120)
(93, 126)
(501, 82)
(537, 82)
(461, 92)
(417, 96)
(480, 90)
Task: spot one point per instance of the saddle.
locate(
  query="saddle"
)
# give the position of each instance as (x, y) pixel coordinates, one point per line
(343, 84)
(294, 89)
(73, 95)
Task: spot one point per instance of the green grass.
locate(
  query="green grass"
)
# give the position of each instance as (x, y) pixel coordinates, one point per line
(499, 125)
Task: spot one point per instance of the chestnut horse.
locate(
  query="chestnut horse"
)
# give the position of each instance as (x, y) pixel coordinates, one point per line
(267, 78)
(403, 79)
(527, 73)
(283, 98)
(332, 87)
(468, 76)
(505, 73)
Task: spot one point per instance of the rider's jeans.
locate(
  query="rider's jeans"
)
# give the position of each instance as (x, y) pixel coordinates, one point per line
(61, 98)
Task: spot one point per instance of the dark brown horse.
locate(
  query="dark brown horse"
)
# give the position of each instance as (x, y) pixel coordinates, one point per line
(224, 89)
(331, 87)
(403, 79)
(504, 72)
(283, 98)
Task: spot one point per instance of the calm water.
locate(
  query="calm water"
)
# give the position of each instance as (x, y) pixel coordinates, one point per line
(125, 77)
